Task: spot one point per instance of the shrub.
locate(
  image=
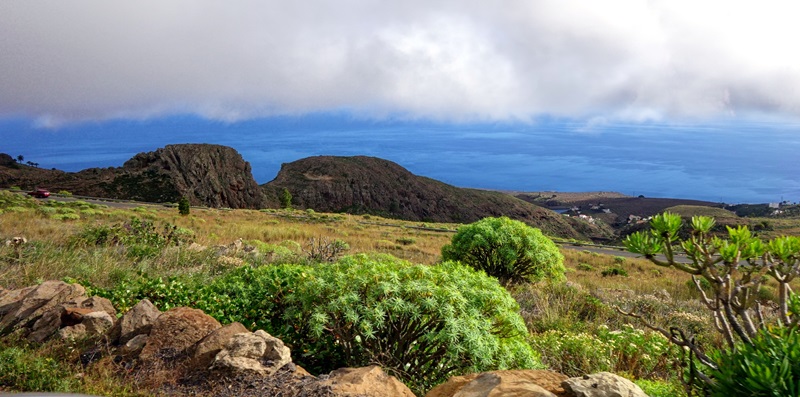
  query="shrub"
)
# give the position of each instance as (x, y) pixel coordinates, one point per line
(183, 206)
(286, 199)
(769, 366)
(585, 267)
(406, 240)
(614, 271)
(509, 250)
(140, 237)
(64, 193)
(629, 350)
(421, 323)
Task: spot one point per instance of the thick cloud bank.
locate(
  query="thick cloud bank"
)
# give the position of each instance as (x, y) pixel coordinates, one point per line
(456, 60)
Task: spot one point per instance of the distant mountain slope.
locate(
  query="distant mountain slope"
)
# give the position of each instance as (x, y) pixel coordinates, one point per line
(211, 175)
(368, 185)
(620, 205)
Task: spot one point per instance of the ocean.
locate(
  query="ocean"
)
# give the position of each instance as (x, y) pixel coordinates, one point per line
(743, 162)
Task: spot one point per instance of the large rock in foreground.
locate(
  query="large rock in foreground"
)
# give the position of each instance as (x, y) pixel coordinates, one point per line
(365, 382)
(257, 352)
(175, 332)
(513, 383)
(602, 384)
(22, 311)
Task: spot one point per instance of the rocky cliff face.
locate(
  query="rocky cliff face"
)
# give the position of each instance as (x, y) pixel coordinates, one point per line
(211, 175)
(370, 185)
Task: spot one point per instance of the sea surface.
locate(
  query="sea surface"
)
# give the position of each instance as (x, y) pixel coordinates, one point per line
(743, 162)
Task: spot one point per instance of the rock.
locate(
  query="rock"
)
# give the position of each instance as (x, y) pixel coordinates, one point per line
(257, 352)
(502, 383)
(134, 346)
(138, 320)
(175, 331)
(207, 348)
(366, 382)
(211, 175)
(9, 297)
(46, 326)
(99, 304)
(602, 384)
(24, 312)
(73, 332)
(97, 323)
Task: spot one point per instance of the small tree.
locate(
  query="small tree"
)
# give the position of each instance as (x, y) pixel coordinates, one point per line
(732, 270)
(183, 206)
(20, 158)
(286, 199)
(506, 249)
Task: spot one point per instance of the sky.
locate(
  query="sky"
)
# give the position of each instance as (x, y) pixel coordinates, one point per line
(590, 66)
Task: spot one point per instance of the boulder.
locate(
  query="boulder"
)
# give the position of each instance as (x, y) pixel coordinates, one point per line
(175, 331)
(134, 346)
(97, 323)
(73, 332)
(24, 312)
(99, 304)
(9, 297)
(502, 383)
(365, 382)
(206, 349)
(92, 325)
(46, 326)
(602, 384)
(257, 352)
(137, 321)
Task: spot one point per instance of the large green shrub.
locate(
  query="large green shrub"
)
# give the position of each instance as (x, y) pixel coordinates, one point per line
(421, 323)
(506, 249)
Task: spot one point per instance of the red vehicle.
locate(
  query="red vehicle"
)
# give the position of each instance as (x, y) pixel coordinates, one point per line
(40, 193)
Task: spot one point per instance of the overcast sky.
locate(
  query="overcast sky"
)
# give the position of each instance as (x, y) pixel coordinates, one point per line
(451, 61)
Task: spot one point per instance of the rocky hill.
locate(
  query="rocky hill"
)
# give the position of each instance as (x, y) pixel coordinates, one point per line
(211, 175)
(368, 185)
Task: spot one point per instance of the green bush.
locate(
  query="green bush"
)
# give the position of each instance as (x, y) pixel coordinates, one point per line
(627, 350)
(421, 323)
(509, 250)
(183, 206)
(140, 237)
(585, 267)
(614, 271)
(770, 366)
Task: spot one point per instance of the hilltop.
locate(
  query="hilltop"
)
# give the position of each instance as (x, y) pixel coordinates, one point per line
(211, 175)
(369, 185)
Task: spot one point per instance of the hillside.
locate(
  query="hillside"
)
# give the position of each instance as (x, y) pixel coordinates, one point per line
(210, 175)
(621, 206)
(368, 185)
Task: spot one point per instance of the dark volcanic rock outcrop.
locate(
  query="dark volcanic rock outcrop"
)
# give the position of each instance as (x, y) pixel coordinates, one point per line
(211, 175)
(369, 185)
